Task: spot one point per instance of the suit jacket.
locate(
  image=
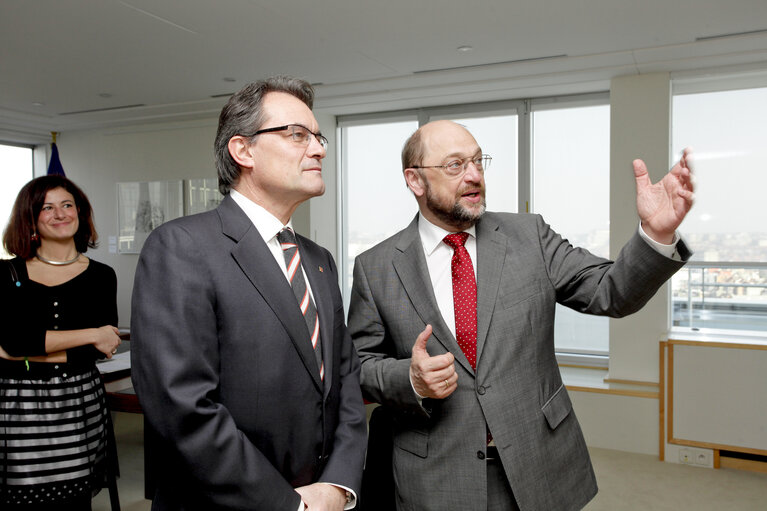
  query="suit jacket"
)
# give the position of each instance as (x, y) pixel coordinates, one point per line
(226, 375)
(523, 270)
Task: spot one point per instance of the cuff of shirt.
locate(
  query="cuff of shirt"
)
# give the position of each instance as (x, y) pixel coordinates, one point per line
(417, 395)
(665, 250)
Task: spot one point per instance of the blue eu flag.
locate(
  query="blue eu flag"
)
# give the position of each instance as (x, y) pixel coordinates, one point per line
(54, 166)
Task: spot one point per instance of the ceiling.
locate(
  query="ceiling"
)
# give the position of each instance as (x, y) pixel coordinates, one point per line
(87, 64)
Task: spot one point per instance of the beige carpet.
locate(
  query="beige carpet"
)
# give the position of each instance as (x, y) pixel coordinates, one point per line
(627, 482)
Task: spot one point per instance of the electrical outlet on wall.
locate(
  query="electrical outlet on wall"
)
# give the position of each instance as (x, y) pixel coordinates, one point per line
(696, 456)
(703, 458)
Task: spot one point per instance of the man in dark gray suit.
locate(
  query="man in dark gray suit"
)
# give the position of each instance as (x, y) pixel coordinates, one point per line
(455, 332)
(241, 359)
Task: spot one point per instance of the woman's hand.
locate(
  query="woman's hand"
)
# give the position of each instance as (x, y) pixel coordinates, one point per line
(4, 354)
(106, 339)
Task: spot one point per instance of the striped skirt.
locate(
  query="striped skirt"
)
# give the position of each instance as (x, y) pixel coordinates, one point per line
(54, 437)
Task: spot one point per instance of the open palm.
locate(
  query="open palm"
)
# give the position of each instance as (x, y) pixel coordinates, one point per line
(662, 206)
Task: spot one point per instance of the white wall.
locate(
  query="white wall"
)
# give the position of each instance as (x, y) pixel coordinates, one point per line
(623, 423)
(322, 212)
(98, 160)
(640, 127)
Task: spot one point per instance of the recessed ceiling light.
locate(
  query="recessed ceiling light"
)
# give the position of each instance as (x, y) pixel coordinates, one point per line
(38, 103)
(229, 79)
(105, 95)
(465, 48)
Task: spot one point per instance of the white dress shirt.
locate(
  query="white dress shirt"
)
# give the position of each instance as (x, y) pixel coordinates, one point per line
(269, 227)
(438, 257)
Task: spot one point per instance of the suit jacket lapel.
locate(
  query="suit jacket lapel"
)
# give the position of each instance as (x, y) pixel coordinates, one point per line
(410, 265)
(491, 253)
(259, 266)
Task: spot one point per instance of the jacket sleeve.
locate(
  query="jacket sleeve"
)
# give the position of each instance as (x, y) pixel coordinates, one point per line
(176, 370)
(593, 285)
(24, 332)
(100, 310)
(346, 461)
(385, 377)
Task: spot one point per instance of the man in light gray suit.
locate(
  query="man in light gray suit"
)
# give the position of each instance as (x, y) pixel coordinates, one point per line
(464, 366)
(242, 362)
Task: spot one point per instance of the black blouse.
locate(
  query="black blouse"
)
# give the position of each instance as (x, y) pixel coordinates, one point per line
(28, 309)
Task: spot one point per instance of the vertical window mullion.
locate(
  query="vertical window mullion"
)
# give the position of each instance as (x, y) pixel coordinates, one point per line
(342, 208)
(525, 162)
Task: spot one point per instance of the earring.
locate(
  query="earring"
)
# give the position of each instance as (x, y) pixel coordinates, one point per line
(35, 238)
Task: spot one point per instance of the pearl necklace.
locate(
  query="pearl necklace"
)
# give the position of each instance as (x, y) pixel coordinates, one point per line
(58, 263)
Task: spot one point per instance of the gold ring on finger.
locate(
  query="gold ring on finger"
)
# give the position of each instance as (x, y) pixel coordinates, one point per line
(446, 384)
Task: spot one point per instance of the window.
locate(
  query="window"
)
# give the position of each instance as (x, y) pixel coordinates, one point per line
(571, 189)
(724, 286)
(567, 160)
(376, 200)
(16, 163)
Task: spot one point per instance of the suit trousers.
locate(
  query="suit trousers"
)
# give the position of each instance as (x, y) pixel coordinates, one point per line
(499, 494)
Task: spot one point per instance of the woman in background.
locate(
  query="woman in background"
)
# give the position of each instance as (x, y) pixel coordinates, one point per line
(58, 311)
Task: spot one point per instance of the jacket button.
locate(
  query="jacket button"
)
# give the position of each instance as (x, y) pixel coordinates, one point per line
(481, 390)
(480, 455)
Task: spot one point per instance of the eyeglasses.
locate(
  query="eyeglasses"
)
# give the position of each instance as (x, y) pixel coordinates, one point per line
(301, 135)
(455, 168)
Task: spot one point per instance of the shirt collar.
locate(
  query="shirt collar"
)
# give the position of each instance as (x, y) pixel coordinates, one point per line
(432, 235)
(268, 225)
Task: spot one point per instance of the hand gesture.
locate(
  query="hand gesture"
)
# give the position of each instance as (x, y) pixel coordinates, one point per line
(106, 339)
(433, 377)
(662, 206)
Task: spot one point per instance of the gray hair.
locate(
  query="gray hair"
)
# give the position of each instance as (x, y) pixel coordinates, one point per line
(243, 115)
(413, 150)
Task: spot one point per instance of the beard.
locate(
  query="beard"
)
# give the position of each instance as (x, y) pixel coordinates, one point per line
(456, 214)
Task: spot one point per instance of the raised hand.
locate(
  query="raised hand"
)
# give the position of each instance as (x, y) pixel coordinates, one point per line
(432, 377)
(662, 206)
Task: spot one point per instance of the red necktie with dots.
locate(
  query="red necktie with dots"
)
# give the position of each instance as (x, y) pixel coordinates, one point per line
(464, 296)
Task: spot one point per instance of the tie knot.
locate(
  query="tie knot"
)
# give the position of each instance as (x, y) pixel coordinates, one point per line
(286, 236)
(457, 239)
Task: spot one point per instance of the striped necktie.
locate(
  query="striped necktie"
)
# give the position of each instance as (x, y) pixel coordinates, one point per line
(296, 278)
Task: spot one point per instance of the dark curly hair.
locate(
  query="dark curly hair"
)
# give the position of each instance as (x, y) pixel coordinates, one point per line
(17, 237)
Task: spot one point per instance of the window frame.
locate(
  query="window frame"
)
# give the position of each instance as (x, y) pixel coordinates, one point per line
(690, 83)
(522, 108)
